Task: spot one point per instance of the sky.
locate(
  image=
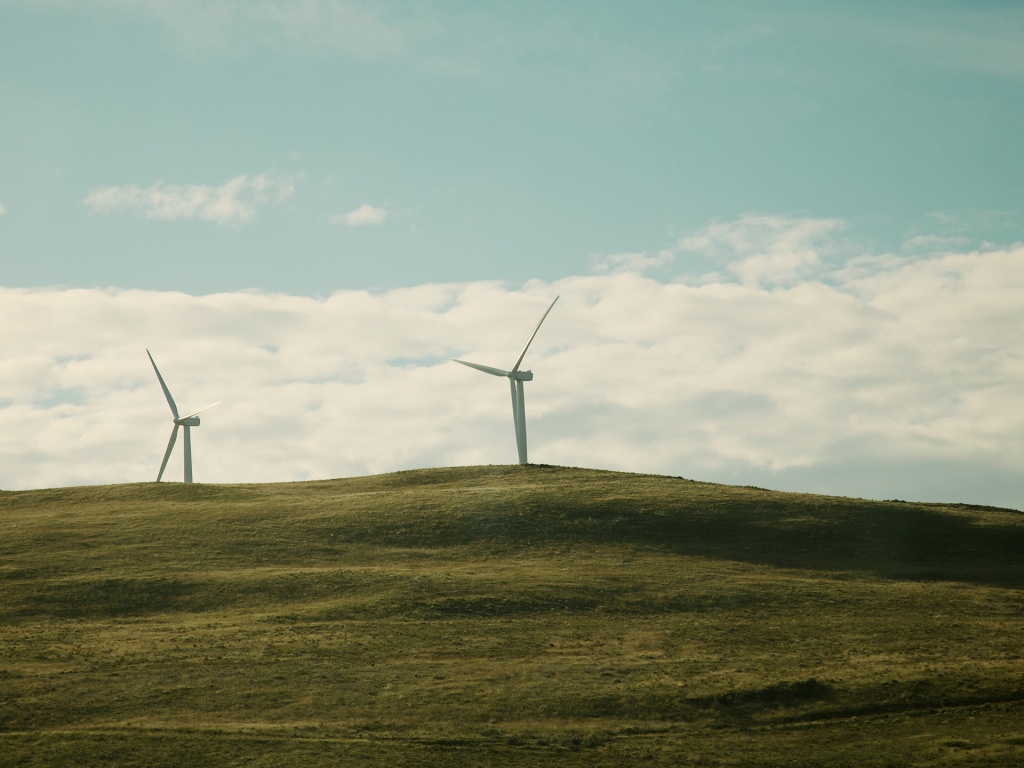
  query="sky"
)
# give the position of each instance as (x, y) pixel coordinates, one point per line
(787, 237)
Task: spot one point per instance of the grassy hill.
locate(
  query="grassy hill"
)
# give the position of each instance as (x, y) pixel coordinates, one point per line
(506, 616)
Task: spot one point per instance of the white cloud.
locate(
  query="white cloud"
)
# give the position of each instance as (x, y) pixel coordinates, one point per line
(765, 249)
(641, 261)
(3, 209)
(233, 202)
(896, 363)
(363, 216)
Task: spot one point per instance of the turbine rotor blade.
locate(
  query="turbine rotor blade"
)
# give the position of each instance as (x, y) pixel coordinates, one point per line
(484, 368)
(515, 368)
(204, 408)
(167, 453)
(163, 386)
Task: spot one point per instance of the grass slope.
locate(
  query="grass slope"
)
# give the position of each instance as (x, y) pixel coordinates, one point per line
(506, 616)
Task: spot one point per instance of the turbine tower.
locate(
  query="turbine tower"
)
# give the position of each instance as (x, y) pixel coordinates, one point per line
(516, 379)
(187, 421)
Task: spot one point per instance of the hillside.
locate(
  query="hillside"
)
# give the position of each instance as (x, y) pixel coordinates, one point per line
(506, 616)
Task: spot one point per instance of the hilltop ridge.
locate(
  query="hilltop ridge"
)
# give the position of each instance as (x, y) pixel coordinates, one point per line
(512, 506)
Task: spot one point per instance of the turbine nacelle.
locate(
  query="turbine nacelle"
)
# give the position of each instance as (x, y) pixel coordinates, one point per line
(520, 375)
(188, 421)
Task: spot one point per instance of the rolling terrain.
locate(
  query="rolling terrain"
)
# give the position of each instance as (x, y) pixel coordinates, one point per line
(510, 615)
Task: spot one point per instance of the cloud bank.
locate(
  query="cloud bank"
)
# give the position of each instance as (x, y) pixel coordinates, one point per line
(363, 216)
(880, 376)
(233, 202)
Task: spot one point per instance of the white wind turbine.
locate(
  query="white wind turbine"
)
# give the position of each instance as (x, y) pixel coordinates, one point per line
(516, 379)
(187, 421)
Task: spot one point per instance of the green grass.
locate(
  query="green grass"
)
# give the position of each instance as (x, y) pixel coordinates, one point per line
(506, 616)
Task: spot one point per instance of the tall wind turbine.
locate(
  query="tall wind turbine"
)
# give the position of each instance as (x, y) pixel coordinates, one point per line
(516, 379)
(187, 421)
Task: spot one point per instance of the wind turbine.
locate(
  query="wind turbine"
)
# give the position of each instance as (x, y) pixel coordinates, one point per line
(516, 379)
(187, 421)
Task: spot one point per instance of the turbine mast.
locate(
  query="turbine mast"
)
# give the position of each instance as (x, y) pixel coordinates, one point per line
(517, 411)
(188, 454)
(520, 414)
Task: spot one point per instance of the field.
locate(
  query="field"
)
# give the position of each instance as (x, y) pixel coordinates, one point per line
(506, 616)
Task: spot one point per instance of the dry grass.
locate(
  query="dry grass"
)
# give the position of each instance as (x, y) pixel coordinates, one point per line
(506, 616)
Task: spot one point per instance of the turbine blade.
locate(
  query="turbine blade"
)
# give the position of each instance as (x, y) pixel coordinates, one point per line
(484, 368)
(167, 392)
(519, 362)
(167, 453)
(204, 408)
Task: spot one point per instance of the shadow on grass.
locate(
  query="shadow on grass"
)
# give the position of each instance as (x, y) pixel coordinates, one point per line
(898, 540)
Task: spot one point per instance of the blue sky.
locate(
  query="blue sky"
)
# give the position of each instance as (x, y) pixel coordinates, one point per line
(509, 143)
(377, 150)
